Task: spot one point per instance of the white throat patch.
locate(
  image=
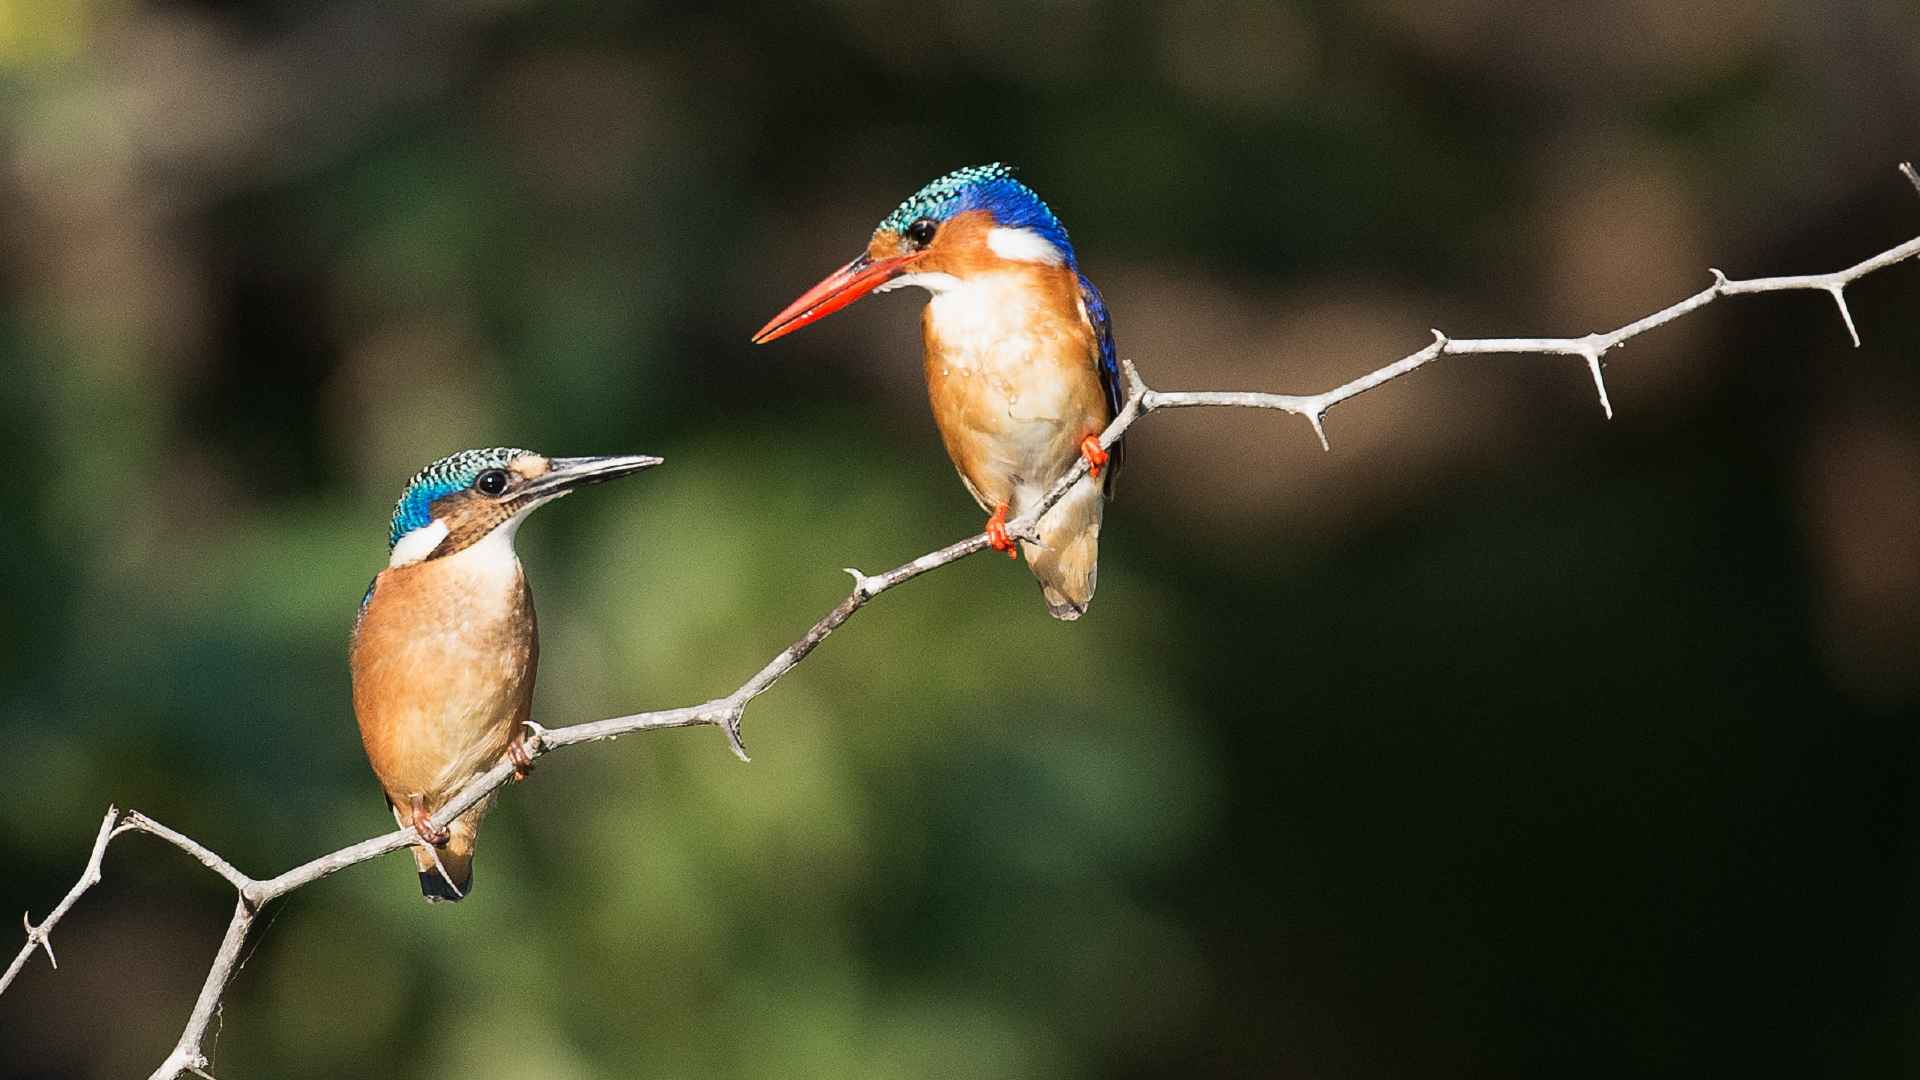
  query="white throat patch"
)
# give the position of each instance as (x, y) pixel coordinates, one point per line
(1023, 245)
(418, 544)
(934, 282)
(493, 553)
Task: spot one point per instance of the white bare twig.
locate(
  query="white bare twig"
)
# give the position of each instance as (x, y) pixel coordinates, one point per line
(725, 713)
(41, 935)
(1590, 348)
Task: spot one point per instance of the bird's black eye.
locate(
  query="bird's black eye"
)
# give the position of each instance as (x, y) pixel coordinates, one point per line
(920, 233)
(491, 482)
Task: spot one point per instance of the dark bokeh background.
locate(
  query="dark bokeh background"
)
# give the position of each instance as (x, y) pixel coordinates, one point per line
(1502, 741)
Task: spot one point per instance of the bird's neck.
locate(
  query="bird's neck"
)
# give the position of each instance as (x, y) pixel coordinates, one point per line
(481, 580)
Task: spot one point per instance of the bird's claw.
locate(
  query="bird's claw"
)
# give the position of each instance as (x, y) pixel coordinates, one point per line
(997, 537)
(423, 825)
(521, 758)
(1096, 457)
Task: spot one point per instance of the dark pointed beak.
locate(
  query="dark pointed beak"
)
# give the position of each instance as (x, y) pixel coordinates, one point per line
(566, 473)
(842, 287)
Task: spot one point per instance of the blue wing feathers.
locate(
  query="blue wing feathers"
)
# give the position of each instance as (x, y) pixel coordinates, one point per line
(1110, 378)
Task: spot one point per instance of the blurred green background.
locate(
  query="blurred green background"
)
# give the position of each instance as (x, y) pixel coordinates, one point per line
(1502, 741)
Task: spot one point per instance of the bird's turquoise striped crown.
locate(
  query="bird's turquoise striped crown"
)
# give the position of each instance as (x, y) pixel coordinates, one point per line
(982, 187)
(440, 479)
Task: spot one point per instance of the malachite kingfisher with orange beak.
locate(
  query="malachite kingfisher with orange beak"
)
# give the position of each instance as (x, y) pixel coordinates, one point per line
(445, 645)
(1019, 358)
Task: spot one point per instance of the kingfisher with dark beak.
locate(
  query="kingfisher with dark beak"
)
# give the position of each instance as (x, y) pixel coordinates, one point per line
(1019, 359)
(445, 646)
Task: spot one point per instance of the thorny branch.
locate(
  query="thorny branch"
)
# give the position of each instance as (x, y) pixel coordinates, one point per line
(254, 894)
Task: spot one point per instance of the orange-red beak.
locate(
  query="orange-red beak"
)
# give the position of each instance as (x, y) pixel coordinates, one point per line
(842, 287)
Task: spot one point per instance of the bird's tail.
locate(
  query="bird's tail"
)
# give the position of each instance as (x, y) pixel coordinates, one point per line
(1067, 559)
(446, 872)
(455, 884)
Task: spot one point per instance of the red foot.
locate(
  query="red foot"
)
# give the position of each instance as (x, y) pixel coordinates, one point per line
(997, 533)
(1096, 457)
(423, 825)
(522, 761)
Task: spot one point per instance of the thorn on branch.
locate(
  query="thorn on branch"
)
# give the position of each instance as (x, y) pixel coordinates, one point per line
(1319, 429)
(1719, 279)
(729, 722)
(535, 733)
(1599, 380)
(1838, 292)
(1906, 169)
(39, 936)
(862, 584)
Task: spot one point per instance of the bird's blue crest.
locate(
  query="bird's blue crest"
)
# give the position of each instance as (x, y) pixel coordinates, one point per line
(982, 187)
(440, 479)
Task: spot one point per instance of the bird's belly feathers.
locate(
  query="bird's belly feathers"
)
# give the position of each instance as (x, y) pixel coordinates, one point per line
(1012, 398)
(443, 670)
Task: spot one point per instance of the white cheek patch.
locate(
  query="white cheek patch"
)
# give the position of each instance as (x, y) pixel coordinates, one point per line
(418, 544)
(1023, 245)
(933, 281)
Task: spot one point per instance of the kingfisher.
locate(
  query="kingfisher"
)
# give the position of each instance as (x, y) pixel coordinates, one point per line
(1019, 358)
(445, 646)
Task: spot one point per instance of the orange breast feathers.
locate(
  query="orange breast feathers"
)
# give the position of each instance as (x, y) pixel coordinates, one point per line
(443, 666)
(1012, 368)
